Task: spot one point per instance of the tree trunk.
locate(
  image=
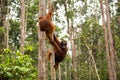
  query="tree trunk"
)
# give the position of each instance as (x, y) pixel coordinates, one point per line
(73, 57)
(111, 68)
(52, 63)
(41, 45)
(3, 26)
(71, 36)
(59, 75)
(26, 16)
(52, 57)
(6, 38)
(93, 61)
(22, 25)
(112, 51)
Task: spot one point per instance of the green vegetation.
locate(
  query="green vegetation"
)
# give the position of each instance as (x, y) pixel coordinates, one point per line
(14, 65)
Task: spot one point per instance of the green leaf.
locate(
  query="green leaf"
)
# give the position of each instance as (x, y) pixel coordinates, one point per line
(9, 74)
(2, 29)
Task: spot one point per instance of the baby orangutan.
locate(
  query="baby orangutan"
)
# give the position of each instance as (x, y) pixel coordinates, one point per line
(60, 51)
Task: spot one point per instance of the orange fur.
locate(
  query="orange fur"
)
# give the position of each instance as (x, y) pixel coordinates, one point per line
(49, 55)
(49, 15)
(47, 25)
(60, 51)
(60, 47)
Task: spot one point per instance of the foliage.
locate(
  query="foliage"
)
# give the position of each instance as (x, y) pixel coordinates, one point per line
(16, 66)
(84, 19)
(31, 38)
(14, 33)
(2, 29)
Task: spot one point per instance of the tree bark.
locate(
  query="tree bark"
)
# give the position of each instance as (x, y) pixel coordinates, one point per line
(52, 63)
(22, 25)
(59, 68)
(93, 61)
(112, 51)
(52, 57)
(108, 43)
(6, 38)
(71, 36)
(73, 57)
(41, 45)
(3, 26)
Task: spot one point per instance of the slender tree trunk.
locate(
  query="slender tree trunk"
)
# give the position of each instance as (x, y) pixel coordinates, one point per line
(112, 51)
(109, 61)
(65, 5)
(41, 45)
(72, 43)
(90, 68)
(66, 75)
(52, 61)
(73, 57)
(26, 16)
(59, 75)
(70, 71)
(6, 38)
(93, 61)
(74, 61)
(49, 3)
(73, 47)
(3, 20)
(4, 44)
(22, 25)
(7, 27)
(106, 42)
(7, 35)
